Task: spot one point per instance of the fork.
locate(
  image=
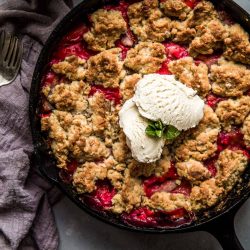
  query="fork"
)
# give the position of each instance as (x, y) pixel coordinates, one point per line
(10, 57)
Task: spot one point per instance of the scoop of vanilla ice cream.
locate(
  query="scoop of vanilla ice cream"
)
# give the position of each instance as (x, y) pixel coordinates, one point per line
(144, 148)
(162, 97)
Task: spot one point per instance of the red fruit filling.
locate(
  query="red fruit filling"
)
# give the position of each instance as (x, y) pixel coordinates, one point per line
(232, 140)
(213, 100)
(44, 115)
(175, 51)
(101, 198)
(191, 3)
(163, 183)
(50, 78)
(76, 35)
(67, 174)
(209, 60)
(124, 49)
(183, 188)
(112, 94)
(210, 164)
(164, 68)
(144, 217)
(77, 49)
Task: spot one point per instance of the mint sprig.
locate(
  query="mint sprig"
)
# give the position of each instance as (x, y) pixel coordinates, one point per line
(158, 129)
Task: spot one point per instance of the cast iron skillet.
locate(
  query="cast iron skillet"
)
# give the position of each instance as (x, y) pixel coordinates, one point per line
(219, 220)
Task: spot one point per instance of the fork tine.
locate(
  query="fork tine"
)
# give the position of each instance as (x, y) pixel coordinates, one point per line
(18, 57)
(2, 38)
(10, 50)
(6, 45)
(14, 54)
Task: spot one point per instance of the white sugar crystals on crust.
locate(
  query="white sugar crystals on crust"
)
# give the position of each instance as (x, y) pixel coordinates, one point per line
(162, 97)
(144, 148)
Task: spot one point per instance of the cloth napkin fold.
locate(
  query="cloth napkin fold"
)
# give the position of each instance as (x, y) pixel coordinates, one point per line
(26, 219)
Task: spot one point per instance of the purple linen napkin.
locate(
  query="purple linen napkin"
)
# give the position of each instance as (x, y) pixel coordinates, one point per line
(26, 219)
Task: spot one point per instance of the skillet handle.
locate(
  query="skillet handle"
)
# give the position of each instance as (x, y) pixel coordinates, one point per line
(223, 230)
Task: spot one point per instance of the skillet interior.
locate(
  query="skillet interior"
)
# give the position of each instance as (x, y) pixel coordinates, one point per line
(46, 162)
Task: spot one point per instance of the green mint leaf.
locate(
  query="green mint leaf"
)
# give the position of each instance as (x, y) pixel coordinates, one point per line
(158, 133)
(171, 132)
(150, 131)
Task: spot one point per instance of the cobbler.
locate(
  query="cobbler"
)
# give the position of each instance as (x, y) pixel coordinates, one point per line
(96, 68)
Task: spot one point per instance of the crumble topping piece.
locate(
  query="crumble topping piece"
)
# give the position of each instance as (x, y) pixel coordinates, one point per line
(231, 164)
(145, 57)
(87, 174)
(169, 201)
(209, 38)
(193, 171)
(107, 28)
(99, 108)
(199, 143)
(68, 97)
(233, 112)
(203, 11)
(105, 69)
(206, 194)
(68, 132)
(237, 45)
(181, 33)
(148, 22)
(127, 86)
(120, 149)
(246, 131)
(73, 67)
(229, 79)
(129, 196)
(175, 8)
(192, 75)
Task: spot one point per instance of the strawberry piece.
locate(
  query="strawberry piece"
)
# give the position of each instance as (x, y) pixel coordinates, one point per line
(72, 166)
(191, 3)
(209, 60)
(164, 68)
(163, 183)
(50, 78)
(213, 100)
(102, 197)
(183, 188)
(44, 115)
(123, 48)
(112, 94)
(210, 164)
(175, 51)
(142, 217)
(77, 49)
(75, 35)
(232, 138)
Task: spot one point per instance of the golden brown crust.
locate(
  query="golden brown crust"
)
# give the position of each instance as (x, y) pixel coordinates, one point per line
(203, 11)
(181, 33)
(206, 194)
(193, 171)
(199, 143)
(105, 69)
(73, 67)
(148, 22)
(107, 27)
(229, 79)
(233, 112)
(246, 131)
(237, 45)
(68, 97)
(175, 8)
(231, 164)
(145, 57)
(192, 75)
(127, 86)
(209, 38)
(169, 202)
